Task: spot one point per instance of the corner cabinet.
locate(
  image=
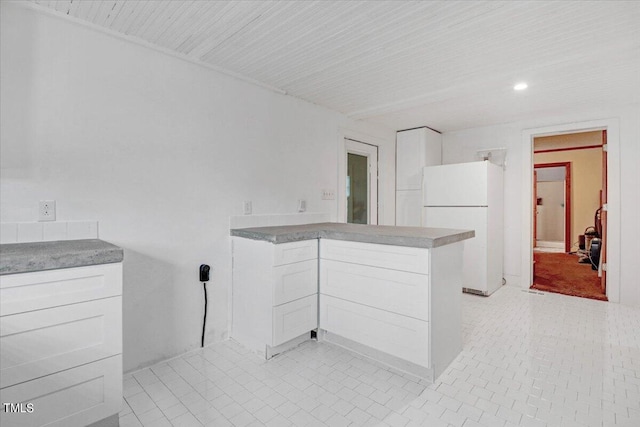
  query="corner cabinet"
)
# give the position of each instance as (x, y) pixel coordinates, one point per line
(415, 149)
(390, 293)
(275, 293)
(61, 346)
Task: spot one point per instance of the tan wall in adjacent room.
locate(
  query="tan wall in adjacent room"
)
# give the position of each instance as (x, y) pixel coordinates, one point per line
(581, 139)
(586, 183)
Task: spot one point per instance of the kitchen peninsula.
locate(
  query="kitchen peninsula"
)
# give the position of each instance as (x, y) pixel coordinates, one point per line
(390, 293)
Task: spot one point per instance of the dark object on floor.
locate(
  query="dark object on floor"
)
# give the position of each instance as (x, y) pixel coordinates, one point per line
(561, 273)
(581, 242)
(583, 257)
(594, 253)
(590, 233)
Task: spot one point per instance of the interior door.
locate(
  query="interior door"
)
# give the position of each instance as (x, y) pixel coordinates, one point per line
(535, 207)
(361, 182)
(603, 214)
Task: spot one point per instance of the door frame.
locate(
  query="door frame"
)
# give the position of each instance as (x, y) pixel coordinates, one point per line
(612, 126)
(355, 146)
(603, 213)
(567, 199)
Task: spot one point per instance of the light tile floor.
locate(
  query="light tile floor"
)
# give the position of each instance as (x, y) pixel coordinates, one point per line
(529, 359)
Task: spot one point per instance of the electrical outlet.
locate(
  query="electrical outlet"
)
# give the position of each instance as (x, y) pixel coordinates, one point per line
(246, 207)
(47, 210)
(328, 195)
(302, 205)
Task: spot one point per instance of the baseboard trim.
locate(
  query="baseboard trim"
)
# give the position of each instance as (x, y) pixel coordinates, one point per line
(394, 362)
(112, 421)
(550, 244)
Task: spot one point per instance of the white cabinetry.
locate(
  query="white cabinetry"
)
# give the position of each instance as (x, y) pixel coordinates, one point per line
(415, 149)
(61, 345)
(379, 297)
(275, 293)
(397, 304)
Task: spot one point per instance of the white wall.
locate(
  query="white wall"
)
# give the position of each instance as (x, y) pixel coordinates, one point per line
(551, 174)
(550, 214)
(161, 152)
(460, 146)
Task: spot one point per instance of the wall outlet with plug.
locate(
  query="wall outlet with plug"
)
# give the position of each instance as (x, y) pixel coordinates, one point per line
(47, 210)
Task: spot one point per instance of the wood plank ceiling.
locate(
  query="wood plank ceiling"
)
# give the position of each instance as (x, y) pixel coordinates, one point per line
(445, 64)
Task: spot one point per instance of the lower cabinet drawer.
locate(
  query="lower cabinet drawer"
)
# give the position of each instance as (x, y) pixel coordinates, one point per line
(400, 336)
(400, 292)
(294, 281)
(42, 342)
(75, 397)
(294, 318)
(51, 288)
(403, 258)
(287, 253)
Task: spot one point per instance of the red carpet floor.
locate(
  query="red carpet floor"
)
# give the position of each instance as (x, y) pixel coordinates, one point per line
(561, 273)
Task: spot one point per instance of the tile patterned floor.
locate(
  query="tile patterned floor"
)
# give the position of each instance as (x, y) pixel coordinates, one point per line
(529, 359)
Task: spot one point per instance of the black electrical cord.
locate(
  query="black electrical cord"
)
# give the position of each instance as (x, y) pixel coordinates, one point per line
(204, 321)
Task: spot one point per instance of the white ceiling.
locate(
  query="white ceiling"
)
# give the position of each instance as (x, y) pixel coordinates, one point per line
(444, 64)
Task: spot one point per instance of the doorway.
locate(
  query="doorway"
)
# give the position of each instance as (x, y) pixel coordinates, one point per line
(612, 229)
(552, 198)
(361, 182)
(577, 269)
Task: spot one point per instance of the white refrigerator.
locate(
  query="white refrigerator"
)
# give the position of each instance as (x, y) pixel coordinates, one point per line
(469, 196)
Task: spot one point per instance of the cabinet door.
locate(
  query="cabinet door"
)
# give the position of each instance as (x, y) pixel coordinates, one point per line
(400, 336)
(294, 281)
(403, 258)
(410, 152)
(415, 149)
(42, 342)
(73, 398)
(43, 289)
(293, 319)
(287, 253)
(433, 148)
(408, 208)
(391, 290)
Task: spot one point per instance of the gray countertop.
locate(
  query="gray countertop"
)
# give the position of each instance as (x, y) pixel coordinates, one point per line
(419, 237)
(37, 256)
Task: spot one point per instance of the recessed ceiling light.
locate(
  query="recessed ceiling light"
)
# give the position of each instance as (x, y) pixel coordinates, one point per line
(520, 86)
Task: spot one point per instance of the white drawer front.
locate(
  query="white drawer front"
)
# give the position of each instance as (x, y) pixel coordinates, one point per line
(391, 290)
(391, 333)
(286, 253)
(294, 318)
(294, 281)
(43, 289)
(76, 397)
(43, 342)
(402, 258)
